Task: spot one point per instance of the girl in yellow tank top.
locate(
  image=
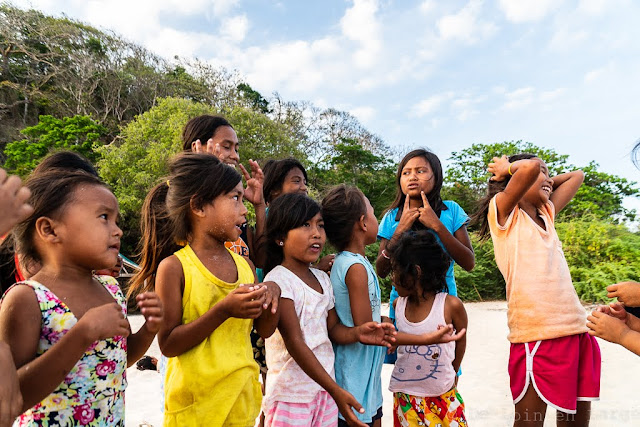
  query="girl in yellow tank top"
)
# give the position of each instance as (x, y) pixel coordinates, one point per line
(209, 294)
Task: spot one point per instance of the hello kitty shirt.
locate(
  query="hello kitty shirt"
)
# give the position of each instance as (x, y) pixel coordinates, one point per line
(423, 370)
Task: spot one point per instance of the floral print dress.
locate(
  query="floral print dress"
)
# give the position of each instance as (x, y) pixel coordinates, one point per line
(92, 394)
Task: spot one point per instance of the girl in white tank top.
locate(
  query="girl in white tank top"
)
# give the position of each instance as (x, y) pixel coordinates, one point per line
(431, 335)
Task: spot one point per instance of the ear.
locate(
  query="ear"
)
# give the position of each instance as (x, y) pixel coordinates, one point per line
(46, 229)
(418, 271)
(362, 223)
(193, 146)
(197, 210)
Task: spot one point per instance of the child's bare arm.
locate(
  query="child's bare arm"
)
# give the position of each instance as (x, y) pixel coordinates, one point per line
(357, 281)
(370, 333)
(151, 308)
(565, 186)
(455, 309)
(267, 323)
(614, 330)
(525, 172)
(10, 396)
(176, 338)
(20, 324)
(443, 334)
(289, 327)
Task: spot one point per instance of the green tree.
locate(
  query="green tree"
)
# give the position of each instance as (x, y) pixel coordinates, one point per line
(77, 133)
(601, 195)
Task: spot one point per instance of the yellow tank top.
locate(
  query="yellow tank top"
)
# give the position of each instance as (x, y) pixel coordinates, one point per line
(216, 382)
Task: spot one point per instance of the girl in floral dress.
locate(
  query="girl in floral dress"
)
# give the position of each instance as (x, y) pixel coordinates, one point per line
(67, 329)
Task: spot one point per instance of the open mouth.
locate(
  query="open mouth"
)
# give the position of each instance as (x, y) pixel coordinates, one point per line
(316, 247)
(547, 189)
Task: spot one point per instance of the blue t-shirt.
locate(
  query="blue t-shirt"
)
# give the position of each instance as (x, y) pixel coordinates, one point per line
(358, 366)
(453, 218)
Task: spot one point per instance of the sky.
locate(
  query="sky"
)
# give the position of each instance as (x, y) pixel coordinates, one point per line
(562, 74)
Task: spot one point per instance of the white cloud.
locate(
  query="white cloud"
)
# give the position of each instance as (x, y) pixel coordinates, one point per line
(527, 10)
(518, 98)
(429, 105)
(427, 6)
(235, 28)
(592, 7)
(551, 95)
(566, 39)
(598, 73)
(360, 25)
(466, 24)
(220, 7)
(364, 114)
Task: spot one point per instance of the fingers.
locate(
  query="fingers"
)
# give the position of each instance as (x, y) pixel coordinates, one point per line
(458, 335)
(244, 172)
(217, 150)
(256, 171)
(612, 288)
(196, 146)
(425, 202)
(406, 203)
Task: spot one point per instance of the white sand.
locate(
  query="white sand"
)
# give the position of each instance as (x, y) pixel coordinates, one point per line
(484, 385)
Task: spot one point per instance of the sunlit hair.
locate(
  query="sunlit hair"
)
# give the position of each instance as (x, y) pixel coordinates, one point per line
(342, 208)
(67, 160)
(434, 195)
(493, 187)
(287, 212)
(419, 248)
(202, 128)
(194, 180)
(275, 171)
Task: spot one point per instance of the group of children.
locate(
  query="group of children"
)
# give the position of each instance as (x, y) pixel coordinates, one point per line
(313, 325)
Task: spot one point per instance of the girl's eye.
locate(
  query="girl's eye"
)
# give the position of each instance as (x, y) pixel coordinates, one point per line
(236, 197)
(104, 216)
(306, 224)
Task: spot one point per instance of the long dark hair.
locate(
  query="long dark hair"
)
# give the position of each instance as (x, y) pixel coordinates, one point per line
(493, 187)
(287, 212)
(202, 127)
(419, 248)
(275, 172)
(194, 180)
(342, 207)
(434, 195)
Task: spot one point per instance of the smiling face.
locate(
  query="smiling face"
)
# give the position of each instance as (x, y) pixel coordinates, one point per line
(294, 182)
(227, 139)
(88, 227)
(304, 244)
(224, 216)
(416, 176)
(539, 193)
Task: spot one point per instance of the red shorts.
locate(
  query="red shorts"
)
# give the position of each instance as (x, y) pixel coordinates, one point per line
(563, 370)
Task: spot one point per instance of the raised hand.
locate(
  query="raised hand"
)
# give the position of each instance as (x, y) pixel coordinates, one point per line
(13, 201)
(210, 148)
(253, 192)
(373, 333)
(628, 293)
(245, 302)
(606, 327)
(499, 167)
(151, 308)
(325, 263)
(345, 402)
(408, 217)
(106, 321)
(427, 215)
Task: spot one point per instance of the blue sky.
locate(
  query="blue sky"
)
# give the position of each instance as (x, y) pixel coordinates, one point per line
(563, 74)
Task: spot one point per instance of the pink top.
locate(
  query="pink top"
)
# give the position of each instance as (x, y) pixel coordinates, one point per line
(423, 370)
(542, 302)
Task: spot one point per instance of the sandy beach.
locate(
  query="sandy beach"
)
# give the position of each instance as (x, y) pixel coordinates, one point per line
(484, 384)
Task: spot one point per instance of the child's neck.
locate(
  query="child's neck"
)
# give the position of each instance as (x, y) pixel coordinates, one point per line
(422, 298)
(531, 210)
(415, 203)
(201, 242)
(53, 273)
(356, 245)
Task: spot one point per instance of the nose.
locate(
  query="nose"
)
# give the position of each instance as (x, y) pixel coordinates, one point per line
(244, 210)
(303, 187)
(118, 232)
(234, 156)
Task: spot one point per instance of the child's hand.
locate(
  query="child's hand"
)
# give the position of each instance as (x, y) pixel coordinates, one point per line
(372, 333)
(345, 402)
(408, 217)
(272, 296)
(444, 334)
(151, 308)
(13, 201)
(253, 193)
(10, 395)
(614, 309)
(106, 321)
(210, 148)
(245, 302)
(428, 217)
(606, 327)
(325, 263)
(628, 293)
(499, 167)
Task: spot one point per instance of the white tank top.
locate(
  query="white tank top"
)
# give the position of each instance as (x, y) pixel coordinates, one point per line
(423, 370)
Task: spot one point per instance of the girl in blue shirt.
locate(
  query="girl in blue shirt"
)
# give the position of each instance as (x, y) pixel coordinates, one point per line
(418, 205)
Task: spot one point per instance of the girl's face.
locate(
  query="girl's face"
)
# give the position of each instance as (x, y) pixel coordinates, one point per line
(294, 182)
(226, 214)
(539, 193)
(225, 137)
(371, 222)
(304, 244)
(402, 291)
(416, 176)
(88, 231)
